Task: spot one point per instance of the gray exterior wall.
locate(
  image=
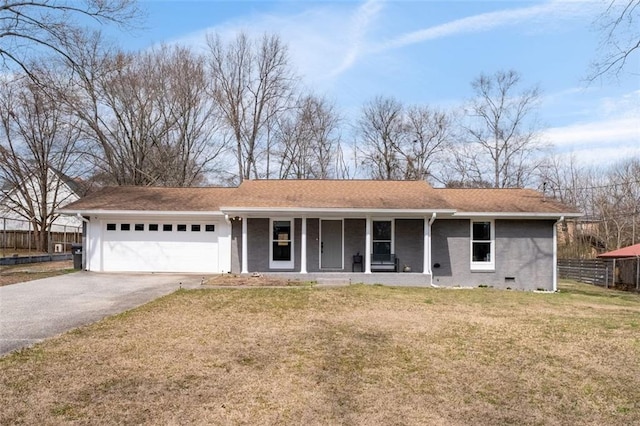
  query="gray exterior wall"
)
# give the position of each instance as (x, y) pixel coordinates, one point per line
(523, 251)
(236, 246)
(354, 240)
(409, 243)
(259, 239)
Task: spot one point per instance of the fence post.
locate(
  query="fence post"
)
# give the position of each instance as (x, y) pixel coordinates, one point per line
(580, 270)
(637, 273)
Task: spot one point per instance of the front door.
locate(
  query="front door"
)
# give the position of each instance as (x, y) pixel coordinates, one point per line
(331, 244)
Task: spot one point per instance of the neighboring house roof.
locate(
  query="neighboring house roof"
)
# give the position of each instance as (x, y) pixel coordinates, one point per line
(630, 251)
(126, 198)
(322, 195)
(507, 200)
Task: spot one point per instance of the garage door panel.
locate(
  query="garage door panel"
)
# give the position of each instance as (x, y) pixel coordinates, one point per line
(161, 251)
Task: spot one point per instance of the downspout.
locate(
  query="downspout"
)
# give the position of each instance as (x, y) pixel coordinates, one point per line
(429, 270)
(555, 253)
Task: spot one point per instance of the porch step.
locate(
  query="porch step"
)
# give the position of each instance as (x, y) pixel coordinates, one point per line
(332, 281)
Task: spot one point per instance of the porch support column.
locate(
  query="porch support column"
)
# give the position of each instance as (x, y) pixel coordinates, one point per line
(367, 246)
(303, 246)
(245, 248)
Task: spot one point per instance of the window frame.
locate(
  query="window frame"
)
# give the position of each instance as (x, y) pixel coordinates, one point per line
(483, 266)
(282, 264)
(393, 233)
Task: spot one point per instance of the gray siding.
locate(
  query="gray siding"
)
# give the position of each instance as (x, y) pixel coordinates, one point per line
(259, 239)
(354, 240)
(258, 244)
(236, 246)
(409, 243)
(313, 245)
(524, 252)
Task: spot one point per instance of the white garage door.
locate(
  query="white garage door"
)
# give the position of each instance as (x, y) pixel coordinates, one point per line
(161, 246)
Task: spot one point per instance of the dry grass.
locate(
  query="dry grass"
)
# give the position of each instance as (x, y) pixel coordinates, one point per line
(33, 271)
(356, 355)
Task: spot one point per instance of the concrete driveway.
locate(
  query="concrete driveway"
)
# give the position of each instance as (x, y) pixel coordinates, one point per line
(35, 310)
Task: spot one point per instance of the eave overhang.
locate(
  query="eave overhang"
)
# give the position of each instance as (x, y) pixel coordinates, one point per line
(113, 213)
(516, 215)
(330, 212)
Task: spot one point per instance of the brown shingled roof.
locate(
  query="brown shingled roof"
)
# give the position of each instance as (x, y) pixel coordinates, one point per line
(511, 200)
(320, 194)
(154, 199)
(357, 194)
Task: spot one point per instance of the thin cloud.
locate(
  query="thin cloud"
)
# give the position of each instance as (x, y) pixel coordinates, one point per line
(364, 16)
(485, 22)
(609, 132)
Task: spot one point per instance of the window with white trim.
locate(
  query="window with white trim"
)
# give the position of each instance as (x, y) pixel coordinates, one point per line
(382, 237)
(281, 247)
(482, 245)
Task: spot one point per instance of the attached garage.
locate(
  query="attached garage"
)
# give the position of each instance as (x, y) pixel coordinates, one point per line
(163, 246)
(152, 229)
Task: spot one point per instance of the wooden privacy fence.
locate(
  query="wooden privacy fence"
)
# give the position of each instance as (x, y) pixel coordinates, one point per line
(592, 271)
(619, 273)
(25, 240)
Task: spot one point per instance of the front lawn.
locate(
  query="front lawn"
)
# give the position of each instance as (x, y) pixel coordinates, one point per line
(352, 355)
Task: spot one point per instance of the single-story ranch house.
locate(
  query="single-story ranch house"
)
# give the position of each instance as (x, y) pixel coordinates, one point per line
(393, 232)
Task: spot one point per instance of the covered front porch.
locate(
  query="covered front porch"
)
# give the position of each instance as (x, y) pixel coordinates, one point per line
(380, 248)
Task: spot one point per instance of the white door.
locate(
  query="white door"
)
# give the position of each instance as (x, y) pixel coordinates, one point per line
(162, 246)
(331, 244)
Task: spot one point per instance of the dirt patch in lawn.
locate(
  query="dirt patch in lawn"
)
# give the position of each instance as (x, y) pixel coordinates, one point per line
(13, 274)
(356, 355)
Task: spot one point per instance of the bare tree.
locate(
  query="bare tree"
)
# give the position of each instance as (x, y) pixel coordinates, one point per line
(147, 115)
(619, 26)
(37, 150)
(403, 142)
(428, 137)
(609, 198)
(49, 25)
(381, 130)
(308, 139)
(503, 145)
(252, 83)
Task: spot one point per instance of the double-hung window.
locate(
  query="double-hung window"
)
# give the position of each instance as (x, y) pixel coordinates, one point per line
(281, 247)
(482, 245)
(382, 239)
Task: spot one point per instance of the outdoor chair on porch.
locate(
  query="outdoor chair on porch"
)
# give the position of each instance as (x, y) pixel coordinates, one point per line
(384, 262)
(357, 261)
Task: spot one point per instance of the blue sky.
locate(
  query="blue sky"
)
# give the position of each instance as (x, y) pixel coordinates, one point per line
(429, 52)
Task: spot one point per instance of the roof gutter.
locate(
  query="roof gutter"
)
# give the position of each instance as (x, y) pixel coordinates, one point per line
(139, 212)
(331, 210)
(518, 215)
